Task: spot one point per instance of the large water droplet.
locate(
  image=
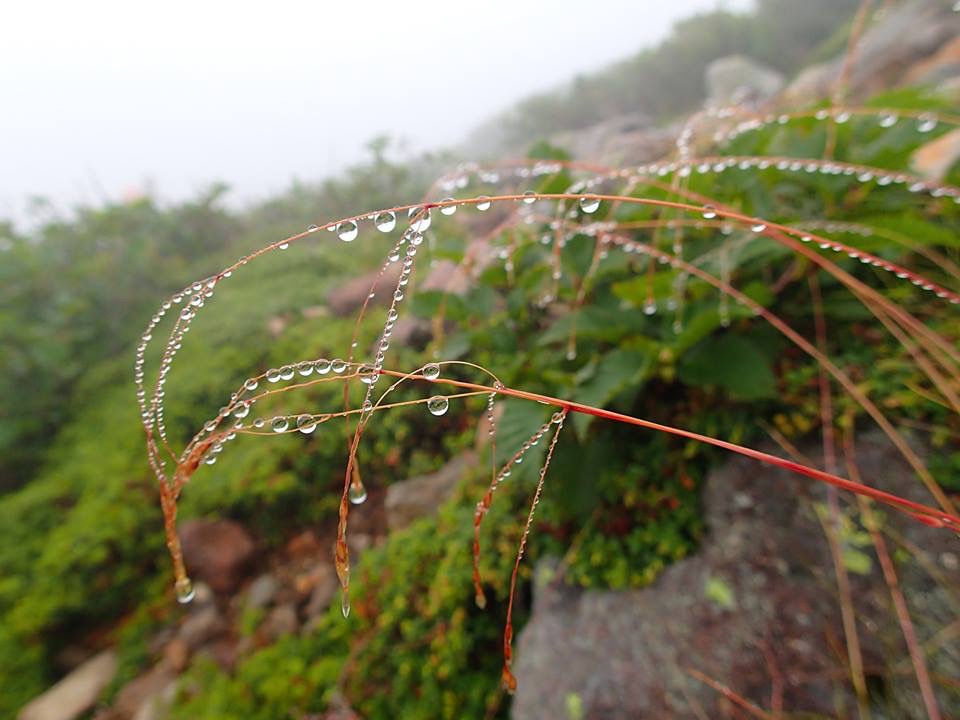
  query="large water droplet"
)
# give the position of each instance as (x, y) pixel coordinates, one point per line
(709, 212)
(306, 424)
(589, 204)
(279, 424)
(888, 120)
(385, 222)
(338, 365)
(345, 603)
(438, 405)
(286, 372)
(347, 231)
(251, 384)
(422, 223)
(322, 366)
(649, 307)
(242, 410)
(431, 371)
(483, 203)
(185, 590)
(273, 375)
(529, 197)
(758, 227)
(312, 228)
(926, 123)
(368, 374)
(448, 209)
(357, 493)
(305, 368)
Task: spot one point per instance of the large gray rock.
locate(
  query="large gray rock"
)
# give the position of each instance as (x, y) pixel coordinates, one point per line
(411, 499)
(755, 604)
(889, 50)
(736, 79)
(76, 693)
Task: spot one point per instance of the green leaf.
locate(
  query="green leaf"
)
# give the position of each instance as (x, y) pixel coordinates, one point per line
(731, 362)
(617, 371)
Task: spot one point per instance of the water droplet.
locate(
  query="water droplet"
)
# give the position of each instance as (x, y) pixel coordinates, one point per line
(286, 372)
(347, 231)
(251, 384)
(926, 123)
(312, 228)
(589, 204)
(322, 366)
(357, 493)
(279, 424)
(438, 405)
(306, 424)
(483, 203)
(709, 212)
(338, 365)
(649, 307)
(423, 222)
(529, 197)
(283, 245)
(842, 117)
(888, 120)
(385, 221)
(448, 209)
(305, 368)
(368, 374)
(185, 590)
(758, 227)
(242, 410)
(345, 604)
(431, 371)
(481, 600)
(273, 375)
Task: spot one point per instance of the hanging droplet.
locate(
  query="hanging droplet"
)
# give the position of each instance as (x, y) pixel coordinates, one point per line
(312, 228)
(250, 384)
(589, 204)
(357, 493)
(368, 374)
(431, 371)
(481, 600)
(283, 245)
(242, 410)
(888, 120)
(926, 123)
(758, 227)
(185, 590)
(306, 424)
(338, 365)
(529, 197)
(347, 231)
(273, 375)
(709, 212)
(286, 372)
(483, 203)
(650, 307)
(422, 223)
(448, 209)
(438, 405)
(279, 424)
(345, 603)
(385, 221)
(305, 368)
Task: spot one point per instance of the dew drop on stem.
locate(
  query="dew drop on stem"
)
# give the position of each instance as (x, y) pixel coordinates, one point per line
(438, 405)
(385, 221)
(347, 231)
(431, 371)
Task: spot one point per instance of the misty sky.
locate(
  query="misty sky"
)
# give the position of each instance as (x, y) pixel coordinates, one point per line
(102, 99)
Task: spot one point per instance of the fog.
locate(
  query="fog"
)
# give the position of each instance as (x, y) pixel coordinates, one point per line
(107, 99)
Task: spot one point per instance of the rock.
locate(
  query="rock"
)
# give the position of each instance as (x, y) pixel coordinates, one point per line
(139, 692)
(346, 298)
(177, 654)
(758, 597)
(411, 499)
(76, 693)
(217, 551)
(281, 621)
(888, 53)
(324, 589)
(202, 625)
(303, 545)
(934, 159)
(262, 591)
(736, 79)
(155, 706)
(623, 140)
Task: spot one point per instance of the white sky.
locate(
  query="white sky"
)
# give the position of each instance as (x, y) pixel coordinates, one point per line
(102, 98)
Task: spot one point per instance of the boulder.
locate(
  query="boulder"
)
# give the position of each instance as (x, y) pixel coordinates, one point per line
(934, 159)
(414, 498)
(754, 606)
(890, 52)
(76, 693)
(218, 552)
(736, 79)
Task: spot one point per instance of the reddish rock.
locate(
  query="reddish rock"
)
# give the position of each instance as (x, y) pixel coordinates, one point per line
(217, 551)
(348, 297)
